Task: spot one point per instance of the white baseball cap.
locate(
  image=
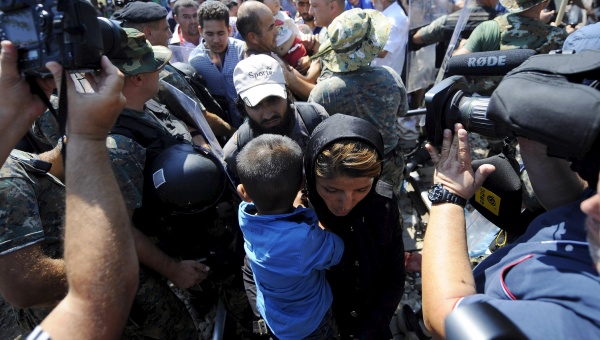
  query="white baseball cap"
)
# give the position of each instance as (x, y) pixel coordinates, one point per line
(258, 77)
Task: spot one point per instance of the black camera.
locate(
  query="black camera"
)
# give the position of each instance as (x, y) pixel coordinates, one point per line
(450, 102)
(65, 31)
(553, 99)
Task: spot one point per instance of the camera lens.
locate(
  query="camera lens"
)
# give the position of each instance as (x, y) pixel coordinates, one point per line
(114, 37)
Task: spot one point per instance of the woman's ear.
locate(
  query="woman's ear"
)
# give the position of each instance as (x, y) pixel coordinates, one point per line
(243, 194)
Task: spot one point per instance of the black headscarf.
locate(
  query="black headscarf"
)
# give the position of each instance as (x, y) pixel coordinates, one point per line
(335, 128)
(363, 302)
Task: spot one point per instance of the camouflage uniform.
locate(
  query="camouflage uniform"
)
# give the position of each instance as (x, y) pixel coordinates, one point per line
(507, 32)
(527, 33)
(377, 95)
(45, 127)
(157, 312)
(32, 206)
(511, 31)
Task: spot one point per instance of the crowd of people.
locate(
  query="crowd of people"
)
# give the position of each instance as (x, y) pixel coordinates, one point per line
(248, 155)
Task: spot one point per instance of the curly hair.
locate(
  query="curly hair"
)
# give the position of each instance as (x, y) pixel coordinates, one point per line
(213, 10)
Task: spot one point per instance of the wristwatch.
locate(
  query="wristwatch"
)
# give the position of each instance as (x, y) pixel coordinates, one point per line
(439, 194)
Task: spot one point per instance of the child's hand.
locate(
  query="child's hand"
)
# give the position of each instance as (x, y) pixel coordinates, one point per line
(303, 65)
(310, 42)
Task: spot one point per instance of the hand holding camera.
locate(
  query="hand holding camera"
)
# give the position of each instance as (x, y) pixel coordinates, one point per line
(87, 120)
(18, 106)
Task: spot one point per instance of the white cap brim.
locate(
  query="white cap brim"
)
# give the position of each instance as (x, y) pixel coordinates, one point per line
(256, 94)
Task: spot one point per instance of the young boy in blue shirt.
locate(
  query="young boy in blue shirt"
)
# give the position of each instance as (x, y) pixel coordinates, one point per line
(287, 249)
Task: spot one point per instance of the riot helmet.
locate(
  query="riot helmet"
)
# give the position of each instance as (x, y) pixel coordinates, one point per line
(187, 179)
(185, 68)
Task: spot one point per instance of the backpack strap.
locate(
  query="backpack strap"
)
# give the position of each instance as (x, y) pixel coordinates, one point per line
(307, 111)
(244, 136)
(309, 114)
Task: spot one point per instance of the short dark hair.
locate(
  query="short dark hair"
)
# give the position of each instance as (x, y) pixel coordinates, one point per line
(270, 168)
(184, 3)
(213, 10)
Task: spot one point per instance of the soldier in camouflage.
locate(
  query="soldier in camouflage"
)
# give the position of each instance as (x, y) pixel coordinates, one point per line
(157, 312)
(521, 27)
(441, 29)
(168, 255)
(32, 207)
(375, 94)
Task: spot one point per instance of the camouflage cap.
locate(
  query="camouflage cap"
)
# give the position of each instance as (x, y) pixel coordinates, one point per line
(518, 6)
(355, 38)
(139, 56)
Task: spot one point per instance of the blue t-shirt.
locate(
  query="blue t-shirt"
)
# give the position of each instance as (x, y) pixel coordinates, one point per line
(546, 282)
(288, 254)
(364, 4)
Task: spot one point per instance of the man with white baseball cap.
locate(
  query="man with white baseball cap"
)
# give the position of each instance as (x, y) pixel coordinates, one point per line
(267, 106)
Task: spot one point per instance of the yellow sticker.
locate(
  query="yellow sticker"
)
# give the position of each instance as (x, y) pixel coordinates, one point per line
(488, 200)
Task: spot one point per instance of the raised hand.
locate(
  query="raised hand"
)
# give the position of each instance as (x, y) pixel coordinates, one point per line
(453, 167)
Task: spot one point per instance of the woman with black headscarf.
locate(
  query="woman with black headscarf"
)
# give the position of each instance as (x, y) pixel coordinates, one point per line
(343, 162)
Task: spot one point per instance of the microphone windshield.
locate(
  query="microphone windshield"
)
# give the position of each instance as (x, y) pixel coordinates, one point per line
(494, 63)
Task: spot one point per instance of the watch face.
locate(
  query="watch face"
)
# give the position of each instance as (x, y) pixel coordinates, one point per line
(435, 193)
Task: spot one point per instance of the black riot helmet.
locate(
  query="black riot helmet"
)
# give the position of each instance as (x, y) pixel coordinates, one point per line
(188, 179)
(186, 68)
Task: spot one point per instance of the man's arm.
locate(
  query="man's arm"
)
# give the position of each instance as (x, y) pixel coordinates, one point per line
(447, 275)
(462, 50)
(31, 279)
(55, 158)
(432, 33)
(485, 37)
(218, 125)
(100, 256)
(18, 106)
(300, 85)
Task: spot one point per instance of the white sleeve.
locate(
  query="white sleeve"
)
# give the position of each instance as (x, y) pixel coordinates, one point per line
(38, 334)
